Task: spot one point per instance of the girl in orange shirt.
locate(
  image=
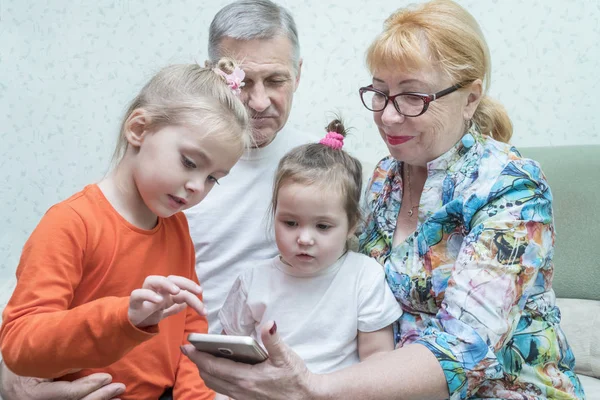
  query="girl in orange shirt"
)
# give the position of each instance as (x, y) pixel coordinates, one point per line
(107, 282)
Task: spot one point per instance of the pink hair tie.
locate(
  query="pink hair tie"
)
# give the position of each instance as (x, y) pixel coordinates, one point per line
(234, 80)
(333, 140)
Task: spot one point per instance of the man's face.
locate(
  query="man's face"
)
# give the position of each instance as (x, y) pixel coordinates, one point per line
(270, 82)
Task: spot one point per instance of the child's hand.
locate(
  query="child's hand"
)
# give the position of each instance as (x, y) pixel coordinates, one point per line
(161, 297)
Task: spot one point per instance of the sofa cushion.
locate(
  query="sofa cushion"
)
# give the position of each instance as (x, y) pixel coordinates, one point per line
(572, 173)
(581, 323)
(591, 387)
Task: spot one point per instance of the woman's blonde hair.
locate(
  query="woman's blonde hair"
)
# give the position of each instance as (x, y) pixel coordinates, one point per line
(190, 94)
(445, 34)
(318, 164)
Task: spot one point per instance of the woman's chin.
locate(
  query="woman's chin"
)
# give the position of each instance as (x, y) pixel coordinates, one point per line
(400, 153)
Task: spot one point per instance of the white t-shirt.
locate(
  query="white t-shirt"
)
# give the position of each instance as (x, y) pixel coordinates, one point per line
(317, 315)
(229, 227)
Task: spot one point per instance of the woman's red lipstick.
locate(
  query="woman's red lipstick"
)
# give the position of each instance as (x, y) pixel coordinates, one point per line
(396, 140)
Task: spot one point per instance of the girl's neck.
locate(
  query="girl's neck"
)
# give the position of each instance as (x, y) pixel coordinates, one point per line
(121, 191)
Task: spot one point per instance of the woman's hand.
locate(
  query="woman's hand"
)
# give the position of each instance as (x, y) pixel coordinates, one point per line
(161, 297)
(283, 376)
(93, 387)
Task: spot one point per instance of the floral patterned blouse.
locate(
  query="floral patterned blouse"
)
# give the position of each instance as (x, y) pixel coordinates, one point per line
(475, 278)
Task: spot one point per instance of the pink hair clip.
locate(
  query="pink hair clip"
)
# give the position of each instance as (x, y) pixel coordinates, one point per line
(234, 80)
(333, 140)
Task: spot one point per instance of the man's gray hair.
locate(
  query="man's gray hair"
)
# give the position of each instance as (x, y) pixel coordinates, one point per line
(253, 19)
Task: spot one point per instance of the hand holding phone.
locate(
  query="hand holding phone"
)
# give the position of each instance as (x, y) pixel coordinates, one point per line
(237, 348)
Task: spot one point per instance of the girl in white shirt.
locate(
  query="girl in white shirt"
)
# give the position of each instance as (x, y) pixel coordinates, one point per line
(331, 305)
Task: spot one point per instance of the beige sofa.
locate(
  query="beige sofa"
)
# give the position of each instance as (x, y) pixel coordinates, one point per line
(574, 176)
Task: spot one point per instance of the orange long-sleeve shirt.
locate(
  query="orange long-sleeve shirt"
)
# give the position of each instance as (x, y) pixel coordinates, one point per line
(69, 309)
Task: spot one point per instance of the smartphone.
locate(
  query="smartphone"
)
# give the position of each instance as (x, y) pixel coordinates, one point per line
(237, 348)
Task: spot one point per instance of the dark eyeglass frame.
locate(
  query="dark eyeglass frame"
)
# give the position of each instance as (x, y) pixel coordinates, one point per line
(427, 98)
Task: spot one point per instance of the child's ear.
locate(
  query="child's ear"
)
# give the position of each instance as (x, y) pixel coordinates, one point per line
(352, 231)
(352, 243)
(136, 127)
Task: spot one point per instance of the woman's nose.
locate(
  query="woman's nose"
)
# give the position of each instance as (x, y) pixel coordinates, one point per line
(391, 116)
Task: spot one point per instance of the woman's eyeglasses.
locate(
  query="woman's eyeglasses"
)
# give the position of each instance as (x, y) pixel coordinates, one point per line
(409, 104)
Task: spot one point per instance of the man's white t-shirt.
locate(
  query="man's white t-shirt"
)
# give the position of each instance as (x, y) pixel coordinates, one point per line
(229, 227)
(318, 315)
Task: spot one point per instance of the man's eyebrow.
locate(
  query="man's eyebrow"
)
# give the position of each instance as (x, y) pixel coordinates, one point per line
(279, 74)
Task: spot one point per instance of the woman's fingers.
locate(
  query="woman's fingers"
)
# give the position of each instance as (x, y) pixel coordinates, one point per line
(283, 376)
(220, 374)
(279, 353)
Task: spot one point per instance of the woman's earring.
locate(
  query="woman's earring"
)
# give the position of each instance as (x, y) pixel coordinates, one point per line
(468, 124)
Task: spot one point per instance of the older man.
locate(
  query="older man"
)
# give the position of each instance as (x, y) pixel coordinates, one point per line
(227, 227)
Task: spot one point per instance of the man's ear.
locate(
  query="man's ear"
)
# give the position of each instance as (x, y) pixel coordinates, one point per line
(136, 127)
(298, 73)
(475, 94)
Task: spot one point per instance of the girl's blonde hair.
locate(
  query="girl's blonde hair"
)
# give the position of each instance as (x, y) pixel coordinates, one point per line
(318, 164)
(445, 34)
(190, 94)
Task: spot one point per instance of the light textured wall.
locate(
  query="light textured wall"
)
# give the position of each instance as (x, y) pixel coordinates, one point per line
(68, 69)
